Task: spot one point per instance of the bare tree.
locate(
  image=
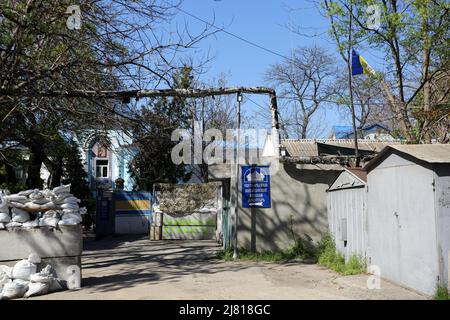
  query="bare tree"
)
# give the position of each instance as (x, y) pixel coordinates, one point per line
(305, 83)
(369, 100)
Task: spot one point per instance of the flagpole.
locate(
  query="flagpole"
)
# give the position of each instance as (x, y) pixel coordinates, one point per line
(350, 87)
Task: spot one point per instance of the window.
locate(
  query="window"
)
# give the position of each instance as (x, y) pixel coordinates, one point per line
(101, 168)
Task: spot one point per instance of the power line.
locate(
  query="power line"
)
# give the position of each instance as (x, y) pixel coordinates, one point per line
(238, 37)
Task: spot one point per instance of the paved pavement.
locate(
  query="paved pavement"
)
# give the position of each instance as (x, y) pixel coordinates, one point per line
(136, 268)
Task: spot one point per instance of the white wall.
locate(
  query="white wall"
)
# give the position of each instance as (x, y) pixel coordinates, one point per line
(402, 225)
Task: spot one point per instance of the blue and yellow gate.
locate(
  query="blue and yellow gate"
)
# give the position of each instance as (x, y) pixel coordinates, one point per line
(123, 212)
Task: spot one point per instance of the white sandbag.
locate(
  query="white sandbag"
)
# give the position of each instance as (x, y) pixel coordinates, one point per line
(48, 222)
(61, 189)
(4, 217)
(83, 210)
(36, 194)
(5, 276)
(69, 222)
(70, 206)
(71, 200)
(13, 224)
(72, 215)
(34, 258)
(48, 194)
(51, 214)
(2, 226)
(17, 205)
(14, 289)
(26, 193)
(41, 278)
(19, 215)
(6, 270)
(23, 270)
(3, 204)
(16, 198)
(36, 289)
(55, 285)
(31, 224)
(41, 201)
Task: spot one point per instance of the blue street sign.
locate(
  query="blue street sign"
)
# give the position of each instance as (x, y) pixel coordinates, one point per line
(255, 187)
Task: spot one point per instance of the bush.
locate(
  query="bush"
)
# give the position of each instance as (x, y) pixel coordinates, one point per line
(329, 257)
(441, 294)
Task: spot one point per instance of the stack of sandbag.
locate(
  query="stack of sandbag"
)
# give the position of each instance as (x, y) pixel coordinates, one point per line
(23, 280)
(40, 208)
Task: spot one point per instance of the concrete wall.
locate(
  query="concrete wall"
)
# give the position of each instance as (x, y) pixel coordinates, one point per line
(348, 206)
(298, 205)
(402, 223)
(60, 248)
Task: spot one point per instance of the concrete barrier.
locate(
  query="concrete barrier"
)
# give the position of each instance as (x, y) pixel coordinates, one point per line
(61, 248)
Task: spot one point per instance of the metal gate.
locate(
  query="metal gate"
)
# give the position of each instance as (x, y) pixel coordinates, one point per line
(123, 212)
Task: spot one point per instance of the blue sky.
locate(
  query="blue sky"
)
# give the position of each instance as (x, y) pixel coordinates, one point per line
(264, 23)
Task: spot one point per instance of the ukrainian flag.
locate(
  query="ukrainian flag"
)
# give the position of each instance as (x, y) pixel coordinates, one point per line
(359, 65)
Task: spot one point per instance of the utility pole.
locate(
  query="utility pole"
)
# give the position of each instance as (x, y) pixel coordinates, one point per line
(236, 205)
(350, 87)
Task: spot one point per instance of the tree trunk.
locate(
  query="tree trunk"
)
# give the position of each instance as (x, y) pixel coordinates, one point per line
(34, 167)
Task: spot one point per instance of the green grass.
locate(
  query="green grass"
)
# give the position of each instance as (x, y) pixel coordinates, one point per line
(298, 251)
(441, 294)
(324, 254)
(329, 257)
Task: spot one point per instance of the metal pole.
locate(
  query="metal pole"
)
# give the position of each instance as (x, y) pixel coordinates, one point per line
(236, 205)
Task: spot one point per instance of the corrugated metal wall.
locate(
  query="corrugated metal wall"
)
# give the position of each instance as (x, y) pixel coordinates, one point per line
(347, 220)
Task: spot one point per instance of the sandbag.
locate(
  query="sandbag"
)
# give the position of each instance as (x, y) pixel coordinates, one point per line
(14, 289)
(13, 224)
(48, 222)
(36, 194)
(72, 215)
(23, 270)
(61, 189)
(16, 198)
(51, 214)
(2, 226)
(59, 199)
(34, 258)
(41, 201)
(31, 224)
(69, 222)
(36, 289)
(5, 276)
(3, 204)
(44, 276)
(17, 205)
(70, 205)
(6, 270)
(26, 193)
(4, 217)
(56, 285)
(19, 215)
(48, 194)
(71, 200)
(83, 210)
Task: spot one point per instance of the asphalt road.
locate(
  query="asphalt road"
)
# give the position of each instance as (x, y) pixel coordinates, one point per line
(136, 268)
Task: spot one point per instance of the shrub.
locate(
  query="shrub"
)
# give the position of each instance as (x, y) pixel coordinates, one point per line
(441, 294)
(329, 257)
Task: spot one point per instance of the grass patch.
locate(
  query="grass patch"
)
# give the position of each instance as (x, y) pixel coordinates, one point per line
(324, 254)
(441, 294)
(298, 251)
(329, 257)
